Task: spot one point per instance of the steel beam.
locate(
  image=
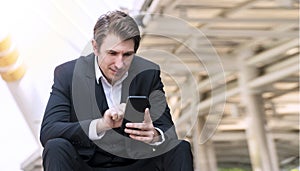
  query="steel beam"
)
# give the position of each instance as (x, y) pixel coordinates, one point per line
(268, 55)
(243, 20)
(255, 83)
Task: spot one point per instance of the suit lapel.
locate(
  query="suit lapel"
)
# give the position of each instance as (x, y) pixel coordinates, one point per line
(127, 83)
(95, 90)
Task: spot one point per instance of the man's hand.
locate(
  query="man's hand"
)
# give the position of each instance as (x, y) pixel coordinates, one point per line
(112, 118)
(145, 131)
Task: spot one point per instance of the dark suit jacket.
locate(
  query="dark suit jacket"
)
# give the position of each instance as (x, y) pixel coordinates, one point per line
(73, 104)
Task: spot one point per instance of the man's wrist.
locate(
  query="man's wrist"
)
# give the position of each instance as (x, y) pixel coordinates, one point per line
(158, 137)
(101, 126)
(93, 133)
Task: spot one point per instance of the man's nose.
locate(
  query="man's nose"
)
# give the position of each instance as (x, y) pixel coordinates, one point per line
(119, 62)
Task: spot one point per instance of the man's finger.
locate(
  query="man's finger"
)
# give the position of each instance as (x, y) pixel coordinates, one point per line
(121, 115)
(121, 107)
(147, 117)
(114, 116)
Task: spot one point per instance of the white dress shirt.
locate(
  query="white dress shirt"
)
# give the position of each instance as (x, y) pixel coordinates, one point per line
(113, 98)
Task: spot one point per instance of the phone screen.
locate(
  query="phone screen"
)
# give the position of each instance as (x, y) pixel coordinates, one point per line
(135, 108)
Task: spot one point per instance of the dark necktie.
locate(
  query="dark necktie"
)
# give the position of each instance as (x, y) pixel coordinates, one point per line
(102, 102)
(100, 97)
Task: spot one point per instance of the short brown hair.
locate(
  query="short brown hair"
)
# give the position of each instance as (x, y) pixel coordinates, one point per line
(119, 24)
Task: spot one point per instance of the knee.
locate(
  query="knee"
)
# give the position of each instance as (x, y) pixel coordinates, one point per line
(180, 158)
(57, 146)
(184, 146)
(57, 143)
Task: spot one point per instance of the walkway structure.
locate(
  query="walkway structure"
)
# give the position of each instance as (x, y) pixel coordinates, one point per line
(257, 44)
(231, 75)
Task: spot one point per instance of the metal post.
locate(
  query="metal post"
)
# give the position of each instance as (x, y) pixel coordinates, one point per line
(255, 129)
(211, 156)
(204, 154)
(13, 71)
(273, 152)
(200, 153)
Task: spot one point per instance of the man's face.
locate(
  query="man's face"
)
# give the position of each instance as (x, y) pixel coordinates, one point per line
(114, 56)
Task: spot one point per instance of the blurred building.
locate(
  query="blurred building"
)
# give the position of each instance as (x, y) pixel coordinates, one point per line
(230, 69)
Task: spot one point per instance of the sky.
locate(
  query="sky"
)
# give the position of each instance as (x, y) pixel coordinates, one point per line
(47, 33)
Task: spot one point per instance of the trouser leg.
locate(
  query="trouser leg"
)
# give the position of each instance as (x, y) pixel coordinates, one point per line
(60, 155)
(180, 158)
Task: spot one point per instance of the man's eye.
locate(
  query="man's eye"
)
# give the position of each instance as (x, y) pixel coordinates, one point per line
(127, 54)
(112, 53)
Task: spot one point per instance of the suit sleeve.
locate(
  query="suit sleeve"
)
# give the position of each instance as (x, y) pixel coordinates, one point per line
(159, 108)
(57, 117)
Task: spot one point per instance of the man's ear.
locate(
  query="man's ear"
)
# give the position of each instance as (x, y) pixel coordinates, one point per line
(95, 47)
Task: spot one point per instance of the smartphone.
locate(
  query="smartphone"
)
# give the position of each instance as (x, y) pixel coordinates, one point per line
(135, 109)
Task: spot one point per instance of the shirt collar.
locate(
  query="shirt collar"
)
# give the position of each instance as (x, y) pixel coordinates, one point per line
(99, 74)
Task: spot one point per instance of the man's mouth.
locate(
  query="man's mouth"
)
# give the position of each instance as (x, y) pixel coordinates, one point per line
(116, 72)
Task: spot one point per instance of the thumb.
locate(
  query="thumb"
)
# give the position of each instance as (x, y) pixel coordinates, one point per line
(147, 117)
(121, 107)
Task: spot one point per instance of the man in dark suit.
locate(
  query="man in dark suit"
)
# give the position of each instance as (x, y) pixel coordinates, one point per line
(83, 125)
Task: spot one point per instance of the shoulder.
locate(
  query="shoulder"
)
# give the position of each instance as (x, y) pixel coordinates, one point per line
(141, 64)
(143, 70)
(65, 69)
(68, 67)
